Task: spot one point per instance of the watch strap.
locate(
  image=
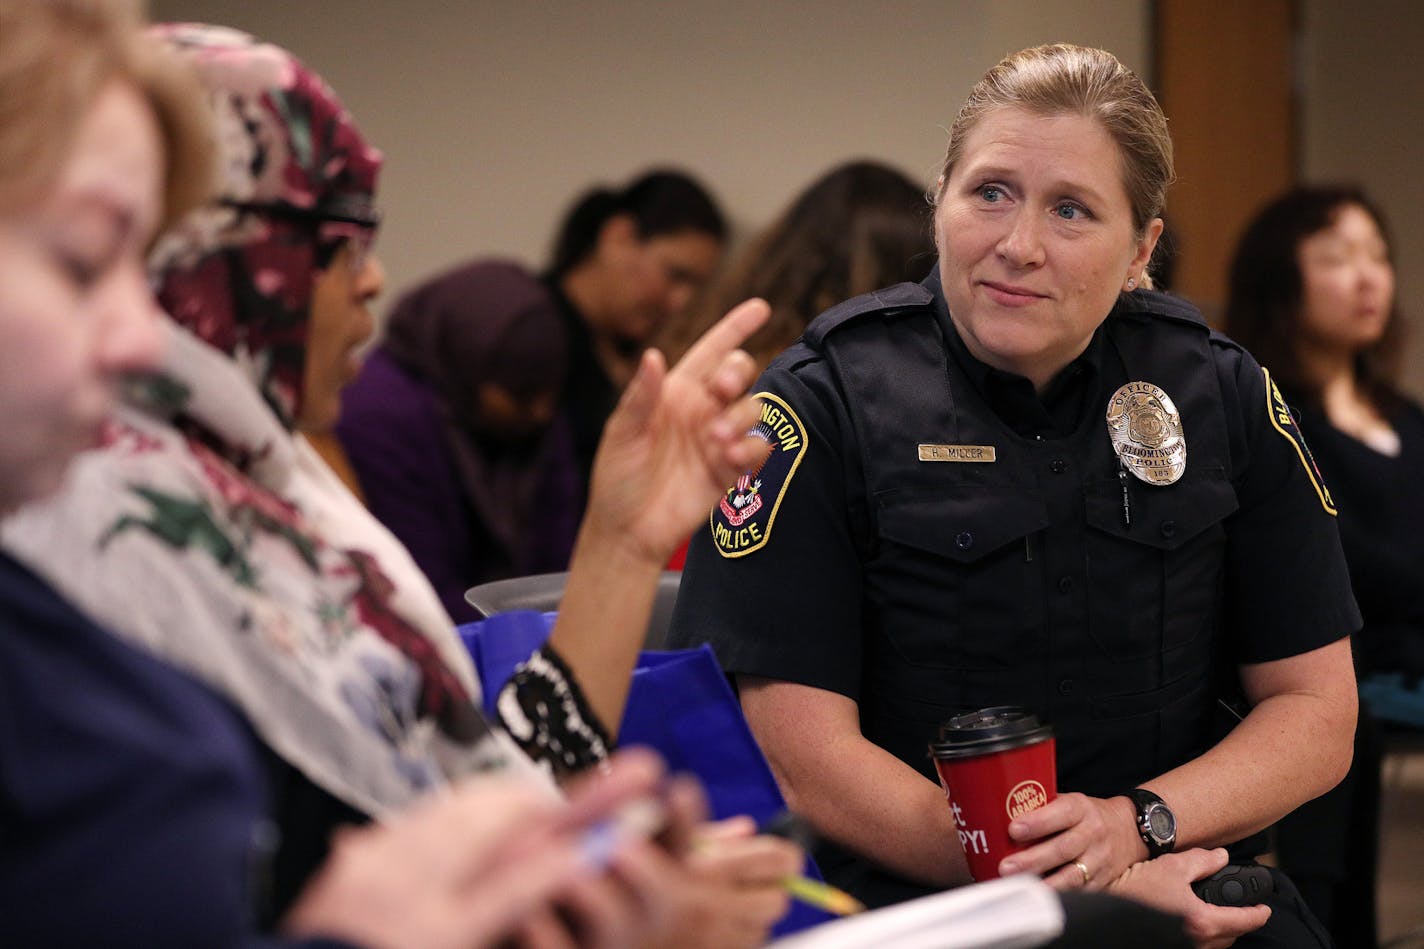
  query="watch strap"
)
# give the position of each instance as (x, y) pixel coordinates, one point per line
(1145, 802)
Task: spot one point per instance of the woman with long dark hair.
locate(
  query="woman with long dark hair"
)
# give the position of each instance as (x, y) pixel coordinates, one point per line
(625, 262)
(1312, 296)
(860, 226)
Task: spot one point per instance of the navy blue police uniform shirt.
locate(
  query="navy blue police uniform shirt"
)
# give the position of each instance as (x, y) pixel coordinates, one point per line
(132, 799)
(928, 535)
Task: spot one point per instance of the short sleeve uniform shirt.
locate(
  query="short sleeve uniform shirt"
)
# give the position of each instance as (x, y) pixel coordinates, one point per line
(989, 557)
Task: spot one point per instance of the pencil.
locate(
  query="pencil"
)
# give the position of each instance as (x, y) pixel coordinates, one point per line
(822, 895)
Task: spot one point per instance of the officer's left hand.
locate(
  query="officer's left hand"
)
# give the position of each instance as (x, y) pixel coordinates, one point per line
(678, 440)
(1165, 883)
(1085, 842)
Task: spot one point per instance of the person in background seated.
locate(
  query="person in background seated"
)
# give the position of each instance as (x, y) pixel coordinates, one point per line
(206, 530)
(1312, 296)
(449, 428)
(452, 430)
(624, 264)
(860, 226)
(1027, 481)
(133, 804)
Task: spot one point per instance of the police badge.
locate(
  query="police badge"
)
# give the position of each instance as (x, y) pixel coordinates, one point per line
(1146, 433)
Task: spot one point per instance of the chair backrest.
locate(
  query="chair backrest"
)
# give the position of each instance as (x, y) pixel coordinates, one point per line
(543, 591)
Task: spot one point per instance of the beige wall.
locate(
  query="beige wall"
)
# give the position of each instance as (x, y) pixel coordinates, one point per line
(494, 116)
(1362, 120)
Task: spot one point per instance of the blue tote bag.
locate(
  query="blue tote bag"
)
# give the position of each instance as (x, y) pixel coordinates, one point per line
(679, 704)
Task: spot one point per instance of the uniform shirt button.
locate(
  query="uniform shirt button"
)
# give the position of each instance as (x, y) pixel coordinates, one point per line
(1058, 466)
(1065, 686)
(1169, 529)
(964, 541)
(1065, 584)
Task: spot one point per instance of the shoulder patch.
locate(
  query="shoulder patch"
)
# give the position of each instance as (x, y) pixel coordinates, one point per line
(742, 520)
(1283, 421)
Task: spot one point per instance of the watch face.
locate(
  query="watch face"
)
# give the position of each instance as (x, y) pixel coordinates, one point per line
(1160, 822)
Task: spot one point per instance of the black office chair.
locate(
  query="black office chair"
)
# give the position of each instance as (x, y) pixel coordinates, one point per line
(543, 592)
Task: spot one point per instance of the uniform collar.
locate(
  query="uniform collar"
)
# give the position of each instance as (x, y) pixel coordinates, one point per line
(1011, 396)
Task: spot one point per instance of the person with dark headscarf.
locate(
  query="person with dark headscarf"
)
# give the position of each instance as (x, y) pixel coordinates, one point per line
(451, 429)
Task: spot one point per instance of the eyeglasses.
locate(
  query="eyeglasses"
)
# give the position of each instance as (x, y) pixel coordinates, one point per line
(348, 221)
(357, 240)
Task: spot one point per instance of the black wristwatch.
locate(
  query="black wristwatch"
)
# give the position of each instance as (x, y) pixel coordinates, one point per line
(1156, 823)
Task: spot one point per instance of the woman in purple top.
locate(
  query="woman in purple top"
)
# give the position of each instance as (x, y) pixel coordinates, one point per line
(451, 428)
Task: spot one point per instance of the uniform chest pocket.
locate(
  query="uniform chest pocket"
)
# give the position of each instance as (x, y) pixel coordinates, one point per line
(1156, 582)
(955, 586)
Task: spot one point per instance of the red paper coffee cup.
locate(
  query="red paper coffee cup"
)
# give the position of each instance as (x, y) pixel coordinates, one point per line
(994, 765)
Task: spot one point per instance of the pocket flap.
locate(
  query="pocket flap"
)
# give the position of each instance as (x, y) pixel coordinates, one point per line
(1165, 516)
(964, 523)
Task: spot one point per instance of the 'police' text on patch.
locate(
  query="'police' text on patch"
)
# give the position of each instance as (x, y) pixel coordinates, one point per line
(742, 520)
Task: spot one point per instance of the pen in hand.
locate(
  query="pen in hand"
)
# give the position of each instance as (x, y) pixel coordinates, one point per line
(823, 896)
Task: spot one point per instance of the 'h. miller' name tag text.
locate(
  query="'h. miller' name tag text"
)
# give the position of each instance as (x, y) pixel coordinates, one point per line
(956, 453)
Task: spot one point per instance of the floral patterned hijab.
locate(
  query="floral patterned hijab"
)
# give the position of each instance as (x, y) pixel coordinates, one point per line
(297, 179)
(206, 531)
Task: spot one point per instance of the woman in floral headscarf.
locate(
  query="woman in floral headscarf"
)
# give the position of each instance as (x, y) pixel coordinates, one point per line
(206, 532)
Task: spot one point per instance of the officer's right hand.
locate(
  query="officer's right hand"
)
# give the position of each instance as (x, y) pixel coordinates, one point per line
(1076, 841)
(1166, 884)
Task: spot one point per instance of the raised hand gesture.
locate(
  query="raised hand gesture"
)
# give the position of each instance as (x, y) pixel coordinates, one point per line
(677, 440)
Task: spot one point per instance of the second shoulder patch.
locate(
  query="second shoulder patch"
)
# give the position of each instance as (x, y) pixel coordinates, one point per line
(1283, 421)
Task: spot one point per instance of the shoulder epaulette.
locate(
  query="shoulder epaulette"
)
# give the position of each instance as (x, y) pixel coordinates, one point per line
(899, 297)
(1155, 303)
(1151, 303)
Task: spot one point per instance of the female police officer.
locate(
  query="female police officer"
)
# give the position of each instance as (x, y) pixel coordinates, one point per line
(1028, 481)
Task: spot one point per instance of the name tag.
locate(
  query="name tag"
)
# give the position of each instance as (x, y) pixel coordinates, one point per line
(956, 453)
